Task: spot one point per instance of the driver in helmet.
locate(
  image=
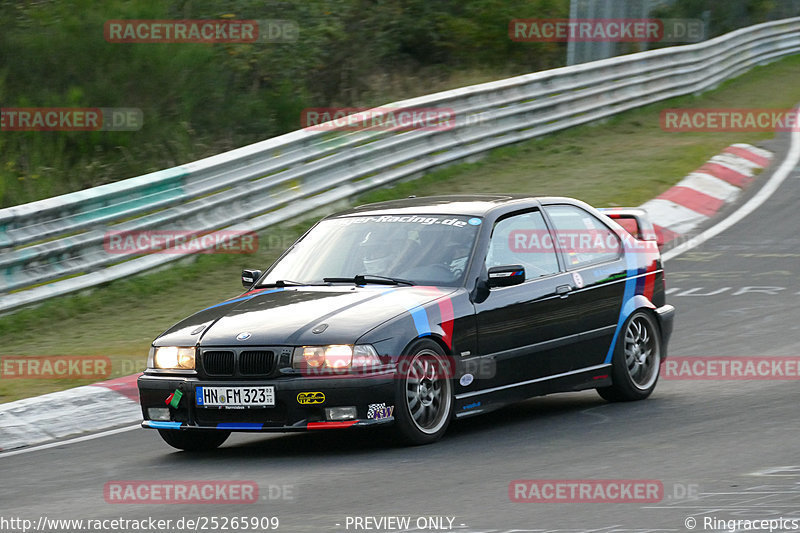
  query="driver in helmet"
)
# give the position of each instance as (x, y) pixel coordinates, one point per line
(379, 257)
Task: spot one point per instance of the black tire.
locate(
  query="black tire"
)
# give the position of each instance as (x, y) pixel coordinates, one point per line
(423, 394)
(193, 440)
(636, 361)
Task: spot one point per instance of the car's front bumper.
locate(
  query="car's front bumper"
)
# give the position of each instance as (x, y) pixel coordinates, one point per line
(286, 415)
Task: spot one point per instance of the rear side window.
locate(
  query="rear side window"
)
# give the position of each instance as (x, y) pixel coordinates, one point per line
(583, 238)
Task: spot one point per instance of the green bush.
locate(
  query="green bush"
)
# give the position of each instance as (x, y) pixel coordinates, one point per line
(202, 99)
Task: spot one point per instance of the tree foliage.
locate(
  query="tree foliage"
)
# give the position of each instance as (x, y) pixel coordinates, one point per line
(201, 99)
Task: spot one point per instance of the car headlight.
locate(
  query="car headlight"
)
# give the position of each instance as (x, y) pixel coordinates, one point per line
(174, 357)
(335, 357)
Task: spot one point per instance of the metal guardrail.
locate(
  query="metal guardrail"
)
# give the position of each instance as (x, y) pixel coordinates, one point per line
(55, 246)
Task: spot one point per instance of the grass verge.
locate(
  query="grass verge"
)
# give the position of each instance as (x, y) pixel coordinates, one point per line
(623, 161)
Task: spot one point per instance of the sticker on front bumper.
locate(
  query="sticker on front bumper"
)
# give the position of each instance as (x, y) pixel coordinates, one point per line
(310, 398)
(378, 411)
(174, 399)
(235, 396)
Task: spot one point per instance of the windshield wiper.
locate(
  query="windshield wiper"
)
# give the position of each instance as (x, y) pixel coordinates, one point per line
(287, 283)
(363, 279)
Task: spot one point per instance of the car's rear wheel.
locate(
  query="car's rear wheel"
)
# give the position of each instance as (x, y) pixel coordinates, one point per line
(193, 440)
(424, 394)
(636, 361)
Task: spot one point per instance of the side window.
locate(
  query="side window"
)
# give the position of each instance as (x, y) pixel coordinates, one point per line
(523, 240)
(583, 238)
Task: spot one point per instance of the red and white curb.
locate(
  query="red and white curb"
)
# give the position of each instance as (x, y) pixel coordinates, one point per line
(701, 194)
(113, 403)
(53, 416)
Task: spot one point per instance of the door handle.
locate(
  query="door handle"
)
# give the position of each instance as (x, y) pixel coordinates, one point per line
(563, 290)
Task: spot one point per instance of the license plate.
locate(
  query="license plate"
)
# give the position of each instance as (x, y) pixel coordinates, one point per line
(235, 396)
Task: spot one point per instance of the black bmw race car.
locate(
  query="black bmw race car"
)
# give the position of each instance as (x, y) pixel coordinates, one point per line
(415, 312)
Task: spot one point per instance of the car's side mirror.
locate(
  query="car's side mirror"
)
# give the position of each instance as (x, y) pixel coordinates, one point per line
(249, 277)
(505, 276)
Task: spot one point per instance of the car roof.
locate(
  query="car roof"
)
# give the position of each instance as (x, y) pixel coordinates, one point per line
(464, 204)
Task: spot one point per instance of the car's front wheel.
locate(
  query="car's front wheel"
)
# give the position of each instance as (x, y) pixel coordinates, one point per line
(193, 440)
(424, 394)
(636, 361)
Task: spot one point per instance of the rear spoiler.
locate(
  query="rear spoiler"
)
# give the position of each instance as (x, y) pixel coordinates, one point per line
(634, 220)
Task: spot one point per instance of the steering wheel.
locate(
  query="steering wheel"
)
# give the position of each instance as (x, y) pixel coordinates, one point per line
(434, 272)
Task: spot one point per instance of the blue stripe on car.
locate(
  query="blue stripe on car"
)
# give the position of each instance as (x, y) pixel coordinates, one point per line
(627, 298)
(243, 298)
(418, 314)
(238, 425)
(421, 321)
(163, 425)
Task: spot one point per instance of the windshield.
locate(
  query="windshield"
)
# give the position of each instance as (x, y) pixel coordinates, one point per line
(424, 249)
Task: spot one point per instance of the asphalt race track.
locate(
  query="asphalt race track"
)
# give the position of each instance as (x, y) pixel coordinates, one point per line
(721, 449)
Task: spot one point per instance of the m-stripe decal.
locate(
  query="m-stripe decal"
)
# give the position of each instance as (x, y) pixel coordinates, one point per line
(245, 296)
(627, 297)
(239, 425)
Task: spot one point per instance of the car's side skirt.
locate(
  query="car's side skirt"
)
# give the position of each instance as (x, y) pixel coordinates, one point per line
(484, 400)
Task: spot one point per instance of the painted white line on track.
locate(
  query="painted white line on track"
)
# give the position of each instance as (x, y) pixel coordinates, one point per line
(63, 414)
(672, 215)
(710, 186)
(766, 154)
(735, 163)
(769, 188)
(68, 441)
